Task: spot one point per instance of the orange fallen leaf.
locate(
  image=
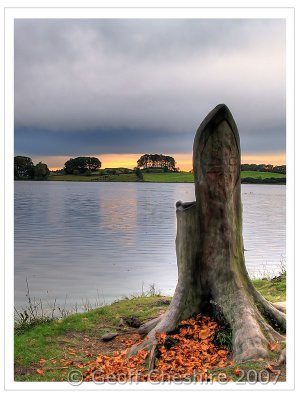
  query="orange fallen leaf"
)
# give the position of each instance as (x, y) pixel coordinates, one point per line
(65, 363)
(193, 349)
(143, 354)
(270, 368)
(183, 331)
(204, 333)
(179, 360)
(40, 371)
(274, 347)
(237, 371)
(163, 335)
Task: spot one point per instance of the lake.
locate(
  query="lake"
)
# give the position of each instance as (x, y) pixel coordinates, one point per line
(101, 241)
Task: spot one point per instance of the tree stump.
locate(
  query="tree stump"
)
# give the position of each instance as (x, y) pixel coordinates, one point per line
(210, 251)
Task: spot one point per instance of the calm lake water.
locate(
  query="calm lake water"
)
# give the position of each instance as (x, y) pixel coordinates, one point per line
(108, 240)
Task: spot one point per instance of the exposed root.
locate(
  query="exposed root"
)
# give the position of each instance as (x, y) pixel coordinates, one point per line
(279, 307)
(251, 331)
(253, 337)
(148, 326)
(249, 342)
(253, 349)
(272, 334)
(275, 317)
(180, 308)
(147, 344)
(163, 323)
(152, 357)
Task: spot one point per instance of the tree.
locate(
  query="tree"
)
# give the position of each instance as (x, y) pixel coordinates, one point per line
(138, 174)
(263, 168)
(167, 163)
(23, 167)
(82, 164)
(92, 163)
(70, 166)
(280, 169)
(212, 277)
(41, 171)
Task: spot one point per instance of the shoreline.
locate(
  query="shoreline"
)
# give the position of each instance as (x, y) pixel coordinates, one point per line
(247, 177)
(91, 181)
(81, 181)
(45, 351)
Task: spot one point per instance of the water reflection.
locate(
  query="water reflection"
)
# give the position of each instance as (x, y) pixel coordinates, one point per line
(81, 238)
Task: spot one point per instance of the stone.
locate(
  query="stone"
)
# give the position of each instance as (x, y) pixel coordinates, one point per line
(109, 336)
(133, 322)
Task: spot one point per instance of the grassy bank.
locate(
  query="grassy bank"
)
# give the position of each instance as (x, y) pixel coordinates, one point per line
(162, 177)
(46, 351)
(79, 334)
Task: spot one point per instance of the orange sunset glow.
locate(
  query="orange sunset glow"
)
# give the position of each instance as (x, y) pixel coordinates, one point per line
(183, 160)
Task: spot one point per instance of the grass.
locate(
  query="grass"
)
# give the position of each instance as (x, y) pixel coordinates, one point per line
(53, 340)
(167, 177)
(251, 372)
(261, 175)
(272, 289)
(78, 335)
(163, 177)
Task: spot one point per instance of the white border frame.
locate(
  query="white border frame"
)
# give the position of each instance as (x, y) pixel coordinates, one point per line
(181, 12)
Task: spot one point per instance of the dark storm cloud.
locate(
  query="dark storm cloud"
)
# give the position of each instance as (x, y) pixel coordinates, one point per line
(114, 86)
(31, 141)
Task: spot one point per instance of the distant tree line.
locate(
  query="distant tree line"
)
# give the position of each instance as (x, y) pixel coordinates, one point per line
(160, 161)
(25, 169)
(81, 165)
(264, 180)
(279, 169)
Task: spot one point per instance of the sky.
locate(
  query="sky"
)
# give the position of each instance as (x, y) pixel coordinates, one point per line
(119, 88)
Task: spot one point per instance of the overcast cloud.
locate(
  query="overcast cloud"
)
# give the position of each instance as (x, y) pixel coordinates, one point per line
(119, 86)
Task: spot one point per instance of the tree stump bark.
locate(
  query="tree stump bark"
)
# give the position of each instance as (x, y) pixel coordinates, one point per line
(210, 252)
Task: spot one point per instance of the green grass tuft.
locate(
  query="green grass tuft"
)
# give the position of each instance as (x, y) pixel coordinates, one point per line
(273, 289)
(223, 338)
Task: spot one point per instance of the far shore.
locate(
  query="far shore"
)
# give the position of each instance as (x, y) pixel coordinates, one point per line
(249, 177)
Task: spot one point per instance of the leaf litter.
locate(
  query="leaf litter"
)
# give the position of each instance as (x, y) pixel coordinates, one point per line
(189, 352)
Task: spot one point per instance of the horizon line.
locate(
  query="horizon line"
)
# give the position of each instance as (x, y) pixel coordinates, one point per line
(129, 160)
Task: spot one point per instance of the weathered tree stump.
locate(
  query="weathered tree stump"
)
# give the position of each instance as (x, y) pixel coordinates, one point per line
(210, 252)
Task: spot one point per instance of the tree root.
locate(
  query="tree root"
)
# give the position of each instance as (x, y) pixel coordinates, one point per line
(164, 323)
(275, 317)
(279, 307)
(254, 320)
(251, 331)
(148, 326)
